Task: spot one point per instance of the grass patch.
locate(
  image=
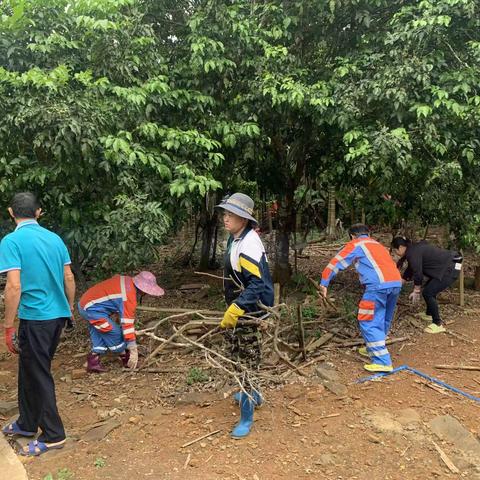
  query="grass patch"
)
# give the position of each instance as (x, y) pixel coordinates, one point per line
(196, 375)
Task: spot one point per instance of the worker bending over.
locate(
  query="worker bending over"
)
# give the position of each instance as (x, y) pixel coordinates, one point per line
(99, 304)
(382, 281)
(441, 267)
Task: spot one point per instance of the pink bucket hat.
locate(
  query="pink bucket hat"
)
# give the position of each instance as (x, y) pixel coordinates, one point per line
(146, 282)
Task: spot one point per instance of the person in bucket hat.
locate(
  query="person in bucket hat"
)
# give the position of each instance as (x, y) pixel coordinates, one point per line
(116, 296)
(248, 284)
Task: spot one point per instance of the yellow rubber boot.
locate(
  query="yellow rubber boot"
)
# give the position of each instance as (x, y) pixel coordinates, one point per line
(376, 367)
(434, 328)
(363, 351)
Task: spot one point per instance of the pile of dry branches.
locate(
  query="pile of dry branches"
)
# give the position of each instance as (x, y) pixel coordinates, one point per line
(289, 344)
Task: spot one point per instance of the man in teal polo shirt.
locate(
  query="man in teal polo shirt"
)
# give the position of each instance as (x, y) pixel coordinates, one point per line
(41, 287)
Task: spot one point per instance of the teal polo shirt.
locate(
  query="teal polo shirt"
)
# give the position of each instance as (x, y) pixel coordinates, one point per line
(40, 255)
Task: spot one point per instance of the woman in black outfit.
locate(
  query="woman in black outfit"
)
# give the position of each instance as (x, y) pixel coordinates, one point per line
(441, 267)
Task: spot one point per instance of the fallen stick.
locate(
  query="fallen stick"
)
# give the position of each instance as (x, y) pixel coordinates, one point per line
(319, 341)
(461, 337)
(200, 438)
(325, 300)
(438, 389)
(279, 353)
(153, 370)
(177, 310)
(211, 275)
(458, 367)
(445, 459)
(78, 391)
(405, 451)
(211, 361)
(331, 415)
(354, 343)
(163, 340)
(163, 320)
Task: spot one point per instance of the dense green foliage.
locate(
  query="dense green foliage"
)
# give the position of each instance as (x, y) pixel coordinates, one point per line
(120, 114)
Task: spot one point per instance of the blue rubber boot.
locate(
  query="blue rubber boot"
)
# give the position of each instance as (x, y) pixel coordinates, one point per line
(257, 398)
(247, 407)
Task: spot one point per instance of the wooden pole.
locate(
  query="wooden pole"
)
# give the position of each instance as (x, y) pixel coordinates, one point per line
(462, 285)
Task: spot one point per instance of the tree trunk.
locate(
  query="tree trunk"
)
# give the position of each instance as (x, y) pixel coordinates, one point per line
(213, 261)
(283, 269)
(331, 212)
(477, 277)
(269, 219)
(294, 155)
(285, 226)
(208, 221)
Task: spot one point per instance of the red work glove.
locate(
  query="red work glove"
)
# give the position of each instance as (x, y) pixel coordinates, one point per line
(11, 339)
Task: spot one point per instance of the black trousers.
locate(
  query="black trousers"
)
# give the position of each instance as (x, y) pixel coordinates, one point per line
(37, 404)
(433, 287)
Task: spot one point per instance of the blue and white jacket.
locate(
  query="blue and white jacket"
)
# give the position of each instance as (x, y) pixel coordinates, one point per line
(246, 263)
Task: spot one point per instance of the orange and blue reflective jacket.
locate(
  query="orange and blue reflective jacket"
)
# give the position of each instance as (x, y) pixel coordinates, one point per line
(115, 295)
(374, 265)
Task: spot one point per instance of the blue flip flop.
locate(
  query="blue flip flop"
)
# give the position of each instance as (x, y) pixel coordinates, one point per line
(41, 446)
(13, 429)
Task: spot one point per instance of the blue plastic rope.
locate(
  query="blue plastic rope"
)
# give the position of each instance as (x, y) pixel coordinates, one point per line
(423, 375)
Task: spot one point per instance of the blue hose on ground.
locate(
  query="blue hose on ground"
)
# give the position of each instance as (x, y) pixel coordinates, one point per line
(379, 375)
(423, 375)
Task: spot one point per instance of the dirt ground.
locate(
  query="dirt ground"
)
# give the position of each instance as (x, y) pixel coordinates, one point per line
(367, 431)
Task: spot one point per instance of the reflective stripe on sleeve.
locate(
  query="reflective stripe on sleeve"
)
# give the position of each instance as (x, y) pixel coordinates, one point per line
(123, 289)
(332, 267)
(341, 260)
(127, 321)
(103, 326)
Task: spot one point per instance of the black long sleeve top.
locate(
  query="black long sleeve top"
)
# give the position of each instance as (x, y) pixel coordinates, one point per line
(425, 260)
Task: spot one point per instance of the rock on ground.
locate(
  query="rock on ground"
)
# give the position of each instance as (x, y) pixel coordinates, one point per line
(450, 429)
(10, 465)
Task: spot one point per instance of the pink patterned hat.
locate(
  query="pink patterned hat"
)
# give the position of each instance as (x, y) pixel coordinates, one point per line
(146, 282)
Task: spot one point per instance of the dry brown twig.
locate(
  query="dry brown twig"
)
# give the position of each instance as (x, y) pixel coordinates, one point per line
(325, 300)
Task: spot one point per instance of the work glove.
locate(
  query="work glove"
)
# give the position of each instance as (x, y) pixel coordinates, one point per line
(414, 297)
(231, 316)
(11, 340)
(133, 360)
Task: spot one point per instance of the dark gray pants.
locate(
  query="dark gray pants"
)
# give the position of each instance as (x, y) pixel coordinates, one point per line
(433, 287)
(38, 341)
